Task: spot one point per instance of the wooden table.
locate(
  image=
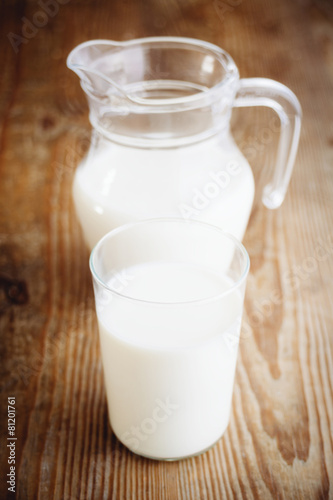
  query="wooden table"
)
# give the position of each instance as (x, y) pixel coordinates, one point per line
(279, 441)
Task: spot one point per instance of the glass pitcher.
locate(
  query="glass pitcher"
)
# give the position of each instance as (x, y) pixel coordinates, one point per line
(161, 144)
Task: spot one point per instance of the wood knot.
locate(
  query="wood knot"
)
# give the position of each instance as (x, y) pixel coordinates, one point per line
(16, 291)
(47, 122)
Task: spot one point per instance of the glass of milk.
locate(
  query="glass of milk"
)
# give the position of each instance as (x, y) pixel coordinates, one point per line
(169, 299)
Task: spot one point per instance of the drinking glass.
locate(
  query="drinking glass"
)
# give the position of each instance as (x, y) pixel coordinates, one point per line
(169, 298)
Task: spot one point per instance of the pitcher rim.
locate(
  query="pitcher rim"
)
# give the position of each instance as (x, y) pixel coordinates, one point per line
(223, 57)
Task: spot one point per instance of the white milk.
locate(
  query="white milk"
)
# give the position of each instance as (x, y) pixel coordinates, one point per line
(169, 369)
(209, 181)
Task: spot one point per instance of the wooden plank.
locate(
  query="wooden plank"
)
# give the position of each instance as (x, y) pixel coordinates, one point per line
(279, 442)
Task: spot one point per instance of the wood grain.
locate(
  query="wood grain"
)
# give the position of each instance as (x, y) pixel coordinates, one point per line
(279, 444)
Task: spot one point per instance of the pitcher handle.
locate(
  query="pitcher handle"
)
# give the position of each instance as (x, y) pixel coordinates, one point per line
(266, 92)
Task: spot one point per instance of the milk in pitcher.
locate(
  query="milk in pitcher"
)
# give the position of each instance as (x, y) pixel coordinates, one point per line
(209, 181)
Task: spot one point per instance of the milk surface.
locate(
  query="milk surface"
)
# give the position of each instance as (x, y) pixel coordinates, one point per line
(169, 368)
(209, 181)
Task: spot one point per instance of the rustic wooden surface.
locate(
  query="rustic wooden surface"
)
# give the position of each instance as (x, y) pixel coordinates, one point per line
(279, 441)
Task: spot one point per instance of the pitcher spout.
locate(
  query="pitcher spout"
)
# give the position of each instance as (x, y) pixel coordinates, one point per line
(98, 64)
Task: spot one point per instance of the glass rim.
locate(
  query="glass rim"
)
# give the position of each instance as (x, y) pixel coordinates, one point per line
(126, 227)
